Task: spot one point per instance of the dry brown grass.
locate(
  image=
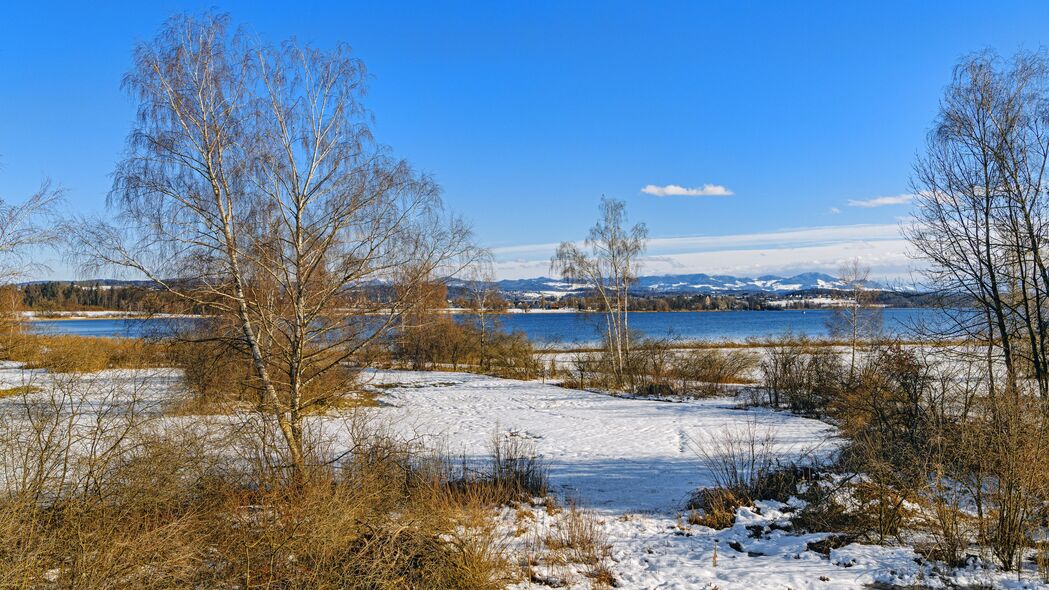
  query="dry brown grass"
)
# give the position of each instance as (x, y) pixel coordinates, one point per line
(601, 576)
(82, 354)
(119, 503)
(18, 391)
(579, 539)
(715, 507)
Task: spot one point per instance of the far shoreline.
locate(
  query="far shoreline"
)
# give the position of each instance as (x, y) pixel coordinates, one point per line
(85, 315)
(31, 316)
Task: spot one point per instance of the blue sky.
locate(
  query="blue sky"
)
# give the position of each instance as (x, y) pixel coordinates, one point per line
(527, 112)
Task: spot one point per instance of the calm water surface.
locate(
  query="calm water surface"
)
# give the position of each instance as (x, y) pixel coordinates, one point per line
(582, 328)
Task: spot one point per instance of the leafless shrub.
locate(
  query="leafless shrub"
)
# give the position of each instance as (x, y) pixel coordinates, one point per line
(580, 538)
(800, 375)
(950, 526)
(517, 468)
(98, 494)
(739, 458)
(743, 466)
(709, 370)
(441, 342)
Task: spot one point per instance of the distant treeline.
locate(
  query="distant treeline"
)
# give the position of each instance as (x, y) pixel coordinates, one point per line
(139, 297)
(897, 298)
(739, 301)
(675, 302)
(68, 296)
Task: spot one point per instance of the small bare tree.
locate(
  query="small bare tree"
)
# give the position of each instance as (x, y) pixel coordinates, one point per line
(484, 299)
(252, 190)
(858, 318)
(608, 269)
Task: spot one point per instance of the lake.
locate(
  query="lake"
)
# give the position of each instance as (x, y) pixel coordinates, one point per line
(583, 328)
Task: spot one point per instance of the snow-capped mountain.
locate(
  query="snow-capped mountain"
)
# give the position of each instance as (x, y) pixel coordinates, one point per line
(686, 284)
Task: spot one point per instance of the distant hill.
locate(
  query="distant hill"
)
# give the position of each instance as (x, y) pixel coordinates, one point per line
(649, 285)
(684, 284)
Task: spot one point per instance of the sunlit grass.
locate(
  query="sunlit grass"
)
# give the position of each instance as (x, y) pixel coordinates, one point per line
(18, 391)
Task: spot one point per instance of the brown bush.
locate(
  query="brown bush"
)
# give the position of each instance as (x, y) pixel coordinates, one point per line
(802, 375)
(715, 507)
(83, 354)
(219, 379)
(441, 342)
(707, 371)
(172, 507)
(657, 367)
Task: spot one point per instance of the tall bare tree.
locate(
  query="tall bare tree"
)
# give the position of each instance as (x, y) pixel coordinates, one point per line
(981, 211)
(24, 226)
(608, 264)
(982, 227)
(252, 189)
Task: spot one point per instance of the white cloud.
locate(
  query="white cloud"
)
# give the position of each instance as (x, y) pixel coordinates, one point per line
(834, 210)
(674, 190)
(775, 252)
(881, 201)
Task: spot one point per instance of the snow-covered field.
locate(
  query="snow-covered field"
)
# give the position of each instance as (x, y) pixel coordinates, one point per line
(631, 462)
(634, 463)
(619, 454)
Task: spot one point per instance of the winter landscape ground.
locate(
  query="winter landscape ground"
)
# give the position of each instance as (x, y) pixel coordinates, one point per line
(273, 324)
(629, 463)
(636, 461)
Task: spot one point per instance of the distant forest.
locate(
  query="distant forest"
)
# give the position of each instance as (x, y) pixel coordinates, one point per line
(735, 301)
(78, 296)
(67, 296)
(674, 302)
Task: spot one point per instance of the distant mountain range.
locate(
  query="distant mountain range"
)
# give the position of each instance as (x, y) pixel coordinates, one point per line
(683, 284)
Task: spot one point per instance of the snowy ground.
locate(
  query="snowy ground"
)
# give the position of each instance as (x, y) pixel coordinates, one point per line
(634, 462)
(149, 389)
(626, 455)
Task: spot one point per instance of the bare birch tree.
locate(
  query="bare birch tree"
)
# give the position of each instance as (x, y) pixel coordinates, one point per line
(24, 226)
(484, 299)
(608, 269)
(858, 318)
(981, 211)
(253, 190)
(982, 228)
